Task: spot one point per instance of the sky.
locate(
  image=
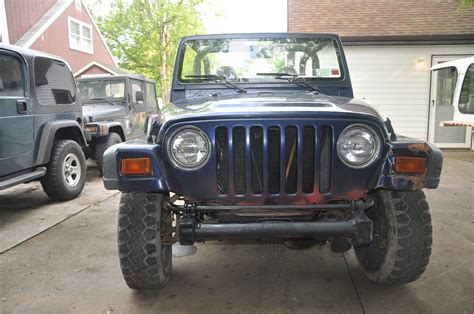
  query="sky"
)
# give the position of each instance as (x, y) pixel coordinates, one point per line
(231, 16)
(245, 16)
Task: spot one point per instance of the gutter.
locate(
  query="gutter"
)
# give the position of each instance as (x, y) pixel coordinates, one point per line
(455, 39)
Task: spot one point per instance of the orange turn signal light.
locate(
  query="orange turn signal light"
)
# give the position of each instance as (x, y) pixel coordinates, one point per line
(136, 166)
(414, 165)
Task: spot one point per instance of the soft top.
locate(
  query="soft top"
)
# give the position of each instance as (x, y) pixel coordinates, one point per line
(114, 77)
(30, 53)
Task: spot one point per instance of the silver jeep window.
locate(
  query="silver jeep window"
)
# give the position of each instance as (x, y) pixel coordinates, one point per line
(11, 78)
(97, 89)
(245, 60)
(151, 100)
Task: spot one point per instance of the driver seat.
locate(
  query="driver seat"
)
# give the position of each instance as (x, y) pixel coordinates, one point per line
(226, 71)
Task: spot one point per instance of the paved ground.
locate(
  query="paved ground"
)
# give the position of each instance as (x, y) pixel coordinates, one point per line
(73, 266)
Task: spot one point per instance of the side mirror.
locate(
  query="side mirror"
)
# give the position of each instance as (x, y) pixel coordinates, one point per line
(139, 95)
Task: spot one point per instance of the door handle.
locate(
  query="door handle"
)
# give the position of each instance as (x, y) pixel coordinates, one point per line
(21, 106)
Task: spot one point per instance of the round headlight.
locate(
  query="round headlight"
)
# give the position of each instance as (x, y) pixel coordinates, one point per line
(358, 146)
(189, 148)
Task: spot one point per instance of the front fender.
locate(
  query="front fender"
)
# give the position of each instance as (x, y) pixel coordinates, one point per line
(158, 181)
(405, 146)
(101, 128)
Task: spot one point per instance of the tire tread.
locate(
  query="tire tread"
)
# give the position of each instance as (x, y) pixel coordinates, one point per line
(138, 235)
(412, 238)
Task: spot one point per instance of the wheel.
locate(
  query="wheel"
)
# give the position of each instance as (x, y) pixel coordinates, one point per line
(402, 237)
(66, 171)
(144, 230)
(102, 145)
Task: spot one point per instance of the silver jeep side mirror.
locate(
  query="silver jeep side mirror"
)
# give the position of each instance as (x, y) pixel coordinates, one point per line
(139, 95)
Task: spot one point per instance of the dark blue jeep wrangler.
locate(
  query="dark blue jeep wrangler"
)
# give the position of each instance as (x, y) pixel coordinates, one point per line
(263, 139)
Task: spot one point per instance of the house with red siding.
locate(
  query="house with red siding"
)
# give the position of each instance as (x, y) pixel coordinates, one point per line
(64, 28)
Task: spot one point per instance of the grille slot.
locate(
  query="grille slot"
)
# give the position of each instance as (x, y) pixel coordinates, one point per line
(325, 160)
(291, 159)
(238, 142)
(275, 159)
(274, 138)
(256, 154)
(308, 159)
(222, 164)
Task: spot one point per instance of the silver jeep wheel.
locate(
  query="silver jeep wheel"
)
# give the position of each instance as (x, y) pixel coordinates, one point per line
(72, 170)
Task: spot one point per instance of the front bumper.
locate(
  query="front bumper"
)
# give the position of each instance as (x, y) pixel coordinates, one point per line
(358, 227)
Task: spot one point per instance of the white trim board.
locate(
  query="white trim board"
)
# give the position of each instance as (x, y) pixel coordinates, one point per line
(4, 24)
(103, 67)
(46, 25)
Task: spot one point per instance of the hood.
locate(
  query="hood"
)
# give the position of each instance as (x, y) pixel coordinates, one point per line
(102, 111)
(265, 104)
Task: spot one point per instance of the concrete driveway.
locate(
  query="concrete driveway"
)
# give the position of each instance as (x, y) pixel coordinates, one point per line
(61, 258)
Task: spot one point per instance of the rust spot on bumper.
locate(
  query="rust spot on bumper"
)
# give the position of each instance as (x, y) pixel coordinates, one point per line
(417, 181)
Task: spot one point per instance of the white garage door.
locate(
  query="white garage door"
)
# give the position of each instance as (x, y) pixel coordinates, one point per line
(396, 81)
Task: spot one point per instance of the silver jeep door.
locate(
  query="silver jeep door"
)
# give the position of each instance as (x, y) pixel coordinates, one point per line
(16, 119)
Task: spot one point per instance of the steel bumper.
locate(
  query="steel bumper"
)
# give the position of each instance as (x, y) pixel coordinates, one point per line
(359, 229)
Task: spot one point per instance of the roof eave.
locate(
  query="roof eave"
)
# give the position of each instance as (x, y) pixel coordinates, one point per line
(455, 39)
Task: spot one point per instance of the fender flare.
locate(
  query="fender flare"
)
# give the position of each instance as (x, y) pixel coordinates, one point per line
(48, 135)
(106, 126)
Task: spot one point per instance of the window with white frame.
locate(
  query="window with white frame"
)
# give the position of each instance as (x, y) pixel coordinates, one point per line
(80, 36)
(78, 5)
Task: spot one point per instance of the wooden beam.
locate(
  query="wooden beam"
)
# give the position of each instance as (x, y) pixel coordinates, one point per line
(456, 123)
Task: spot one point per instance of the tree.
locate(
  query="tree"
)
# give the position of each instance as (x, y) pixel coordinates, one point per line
(143, 35)
(466, 3)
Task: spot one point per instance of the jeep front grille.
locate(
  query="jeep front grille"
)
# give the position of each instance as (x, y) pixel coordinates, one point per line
(279, 159)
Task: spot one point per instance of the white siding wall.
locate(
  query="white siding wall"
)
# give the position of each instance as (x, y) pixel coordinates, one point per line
(390, 79)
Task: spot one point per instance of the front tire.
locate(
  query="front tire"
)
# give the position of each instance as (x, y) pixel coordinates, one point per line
(66, 171)
(146, 261)
(402, 238)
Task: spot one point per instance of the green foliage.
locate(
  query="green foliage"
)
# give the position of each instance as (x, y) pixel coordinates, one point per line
(143, 35)
(466, 3)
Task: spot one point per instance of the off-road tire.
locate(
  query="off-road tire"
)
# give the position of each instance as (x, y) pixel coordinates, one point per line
(145, 261)
(401, 248)
(101, 146)
(54, 182)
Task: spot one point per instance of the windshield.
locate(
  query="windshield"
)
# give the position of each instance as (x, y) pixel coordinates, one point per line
(248, 60)
(100, 89)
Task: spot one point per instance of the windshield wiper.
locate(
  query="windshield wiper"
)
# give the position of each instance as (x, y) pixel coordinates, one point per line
(217, 79)
(292, 78)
